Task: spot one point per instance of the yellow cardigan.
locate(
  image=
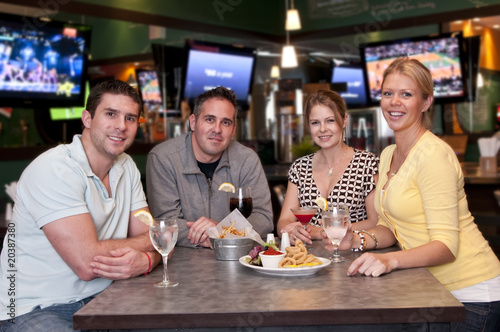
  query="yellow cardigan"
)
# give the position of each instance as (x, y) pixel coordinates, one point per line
(425, 201)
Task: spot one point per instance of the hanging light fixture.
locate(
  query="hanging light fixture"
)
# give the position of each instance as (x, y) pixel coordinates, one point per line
(288, 55)
(275, 72)
(131, 81)
(292, 19)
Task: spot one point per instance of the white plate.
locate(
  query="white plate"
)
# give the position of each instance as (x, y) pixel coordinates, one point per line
(287, 272)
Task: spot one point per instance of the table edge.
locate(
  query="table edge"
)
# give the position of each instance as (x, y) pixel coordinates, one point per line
(276, 318)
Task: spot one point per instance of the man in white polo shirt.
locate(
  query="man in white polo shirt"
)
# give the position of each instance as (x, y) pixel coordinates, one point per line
(73, 224)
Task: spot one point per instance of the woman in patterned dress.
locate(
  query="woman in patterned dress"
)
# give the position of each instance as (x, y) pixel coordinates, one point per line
(336, 172)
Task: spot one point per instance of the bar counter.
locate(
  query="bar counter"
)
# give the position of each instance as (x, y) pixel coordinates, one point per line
(472, 174)
(227, 295)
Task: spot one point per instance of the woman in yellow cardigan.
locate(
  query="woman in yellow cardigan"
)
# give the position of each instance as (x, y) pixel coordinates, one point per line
(422, 206)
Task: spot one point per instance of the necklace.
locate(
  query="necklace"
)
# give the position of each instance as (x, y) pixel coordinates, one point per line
(330, 169)
(400, 158)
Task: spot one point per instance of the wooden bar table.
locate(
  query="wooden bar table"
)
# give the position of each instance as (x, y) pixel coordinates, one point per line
(227, 295)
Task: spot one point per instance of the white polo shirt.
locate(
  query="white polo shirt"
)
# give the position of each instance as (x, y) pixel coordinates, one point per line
(57, 184)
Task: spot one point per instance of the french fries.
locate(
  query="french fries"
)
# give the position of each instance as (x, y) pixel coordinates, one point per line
(231, 230)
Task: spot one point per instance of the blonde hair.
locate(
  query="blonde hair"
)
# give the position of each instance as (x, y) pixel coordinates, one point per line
(419, 74)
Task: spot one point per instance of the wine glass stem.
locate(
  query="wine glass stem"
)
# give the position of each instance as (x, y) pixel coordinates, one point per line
(165, 270)
(335, 250)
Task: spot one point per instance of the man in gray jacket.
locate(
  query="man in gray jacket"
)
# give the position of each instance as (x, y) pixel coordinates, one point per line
(183, 174)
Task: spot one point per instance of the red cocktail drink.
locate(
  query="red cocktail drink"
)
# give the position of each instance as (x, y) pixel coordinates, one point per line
(305, 217)
(304, 214)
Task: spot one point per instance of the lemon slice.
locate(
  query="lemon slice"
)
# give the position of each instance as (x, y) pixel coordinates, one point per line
(322, 203)
(144, 216)
(227, 187)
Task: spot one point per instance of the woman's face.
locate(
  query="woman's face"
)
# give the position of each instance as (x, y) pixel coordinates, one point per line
(325, 131)
(402, 103)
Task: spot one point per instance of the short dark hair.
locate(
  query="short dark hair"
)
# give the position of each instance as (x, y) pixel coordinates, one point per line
(219, 92)
(114, 87)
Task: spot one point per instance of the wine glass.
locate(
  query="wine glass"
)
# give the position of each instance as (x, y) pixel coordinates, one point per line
(241, 199)
(163, 233)
(304, 214)
(335, 223)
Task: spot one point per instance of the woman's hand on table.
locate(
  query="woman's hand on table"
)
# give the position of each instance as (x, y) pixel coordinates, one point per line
(295, 230)
(374, 265)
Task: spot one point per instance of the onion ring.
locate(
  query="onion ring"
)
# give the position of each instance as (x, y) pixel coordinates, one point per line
(301, 246)
(287, 261)
(300, 257)
(290, 251)
(310, 258)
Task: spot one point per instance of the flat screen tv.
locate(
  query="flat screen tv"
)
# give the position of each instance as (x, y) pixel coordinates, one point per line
(42, 64)
(149, 89)
(209, 65)
(70, 112)
(352, 75)
(444, 55)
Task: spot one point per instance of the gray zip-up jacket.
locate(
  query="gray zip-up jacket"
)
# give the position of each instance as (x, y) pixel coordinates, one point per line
(177, 188)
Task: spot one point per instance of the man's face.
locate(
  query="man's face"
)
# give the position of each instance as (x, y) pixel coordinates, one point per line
(113, 128)
(212, 130)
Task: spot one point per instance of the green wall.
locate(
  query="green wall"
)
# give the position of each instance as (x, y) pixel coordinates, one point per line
(255, 15)
(12, 134)
(269, 16)
(484, 107)
(325, 14)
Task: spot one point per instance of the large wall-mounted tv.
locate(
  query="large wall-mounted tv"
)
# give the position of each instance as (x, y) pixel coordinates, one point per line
(352, 75)
(43, 64)
(444, 55)
(209, 65)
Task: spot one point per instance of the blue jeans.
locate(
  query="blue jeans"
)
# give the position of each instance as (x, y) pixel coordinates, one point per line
(56, 318)
(484, 316)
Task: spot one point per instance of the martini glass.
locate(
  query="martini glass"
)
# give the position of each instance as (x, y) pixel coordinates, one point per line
(304, 214)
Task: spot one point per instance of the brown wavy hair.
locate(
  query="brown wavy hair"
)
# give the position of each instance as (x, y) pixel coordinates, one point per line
(327, 98)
